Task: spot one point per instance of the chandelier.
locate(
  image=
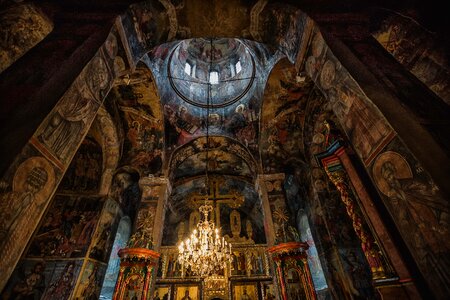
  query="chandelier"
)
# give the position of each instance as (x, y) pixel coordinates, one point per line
(205, 252)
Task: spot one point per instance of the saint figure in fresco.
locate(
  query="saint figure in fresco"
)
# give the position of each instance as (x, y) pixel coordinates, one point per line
(14, 204)
(244, 295)
(415, 203)
(62, 288)
(33, 285)
(186, 296)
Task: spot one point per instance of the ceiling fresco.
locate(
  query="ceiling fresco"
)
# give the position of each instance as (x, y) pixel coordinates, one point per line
(234, 92)
(140, 111)
(283, 117)
(227, 193)
(194, 63)
(225, 156)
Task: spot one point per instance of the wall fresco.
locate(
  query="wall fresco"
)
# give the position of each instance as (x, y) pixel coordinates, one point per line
(84, 173)
(67, 228)
(103, 238)
(22, 27)
(225, 156)
(419, 210)
(185, 121)
(36, 279)
(285, 99)
(90, 281)
(282, 26)
(363, 123)
(138, 102)
(418, 50)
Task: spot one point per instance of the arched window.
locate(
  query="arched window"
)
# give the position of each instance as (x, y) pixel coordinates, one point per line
(313, 257)
(238, 67)
(214, 77)
(188, 68)
(122, 236)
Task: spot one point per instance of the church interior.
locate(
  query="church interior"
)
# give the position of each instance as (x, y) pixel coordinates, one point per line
(233, 150)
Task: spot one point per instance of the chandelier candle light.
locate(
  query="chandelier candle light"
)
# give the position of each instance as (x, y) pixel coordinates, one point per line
(205, 252)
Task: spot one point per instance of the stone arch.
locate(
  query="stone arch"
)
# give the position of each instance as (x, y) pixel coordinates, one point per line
(105, 132)
(217, 143)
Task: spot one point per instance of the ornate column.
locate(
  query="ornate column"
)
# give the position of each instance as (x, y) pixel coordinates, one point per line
(137, 271)
(338, 176)
(139, 261)
(293, 275)
(288, 253)
(155, 191)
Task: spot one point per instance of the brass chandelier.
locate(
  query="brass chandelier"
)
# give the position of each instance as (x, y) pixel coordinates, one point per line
(205, 252)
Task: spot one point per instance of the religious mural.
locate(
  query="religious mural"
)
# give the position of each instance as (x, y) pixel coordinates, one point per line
(67, 228)
(363, 123)
(103, 238)
(284, 102)
(138, 102)
(418, 209)
(125, 190)
(224, 156)
(22, 27)
(143, 26)
(84, 173)
(184, 107)
(282, 26)
(88, 288)
(416, 49)
(36, 279)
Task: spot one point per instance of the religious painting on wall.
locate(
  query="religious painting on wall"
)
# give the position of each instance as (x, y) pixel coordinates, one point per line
(245, 291)
(187, 292)
(225, 156)
(91, 281)
(67, 228)
(139, 104)
(38, 279)
(162, 292)
(418, 208)
(365, 126)
(268, 290)
(283, 117)
(103, 238)
(284, 27)
(85, 170)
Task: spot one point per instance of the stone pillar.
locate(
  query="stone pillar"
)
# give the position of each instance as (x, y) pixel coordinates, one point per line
(286, 249)
(137, 271)
(139, 261)
(291, 263)
(261, 188)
